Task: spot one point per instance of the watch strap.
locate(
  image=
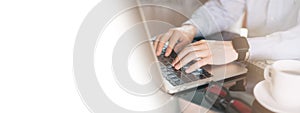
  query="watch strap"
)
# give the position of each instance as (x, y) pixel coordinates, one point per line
(241, 46)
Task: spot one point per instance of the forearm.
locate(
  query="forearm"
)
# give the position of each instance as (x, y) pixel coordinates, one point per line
(277, 46)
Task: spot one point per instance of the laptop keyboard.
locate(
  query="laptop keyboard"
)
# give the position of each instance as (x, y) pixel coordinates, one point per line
(178, 77)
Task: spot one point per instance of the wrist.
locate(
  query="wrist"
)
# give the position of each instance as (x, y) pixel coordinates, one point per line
(191, 30)
(235, 54)
(241, 46)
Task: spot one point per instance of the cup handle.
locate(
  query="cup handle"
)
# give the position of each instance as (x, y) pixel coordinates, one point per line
(267, 74)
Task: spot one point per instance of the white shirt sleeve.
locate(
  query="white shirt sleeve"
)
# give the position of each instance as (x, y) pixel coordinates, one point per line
(277, 46)
(216, 15)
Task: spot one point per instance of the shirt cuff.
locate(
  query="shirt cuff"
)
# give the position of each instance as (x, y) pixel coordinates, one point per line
(258, 46)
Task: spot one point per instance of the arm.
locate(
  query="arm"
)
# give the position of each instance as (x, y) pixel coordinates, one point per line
(216, 15)
(277, 46)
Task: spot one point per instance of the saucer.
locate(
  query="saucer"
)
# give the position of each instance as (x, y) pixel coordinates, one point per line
(264, 97)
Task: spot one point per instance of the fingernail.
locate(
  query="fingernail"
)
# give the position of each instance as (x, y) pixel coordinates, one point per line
(167, 54)
(174, 63)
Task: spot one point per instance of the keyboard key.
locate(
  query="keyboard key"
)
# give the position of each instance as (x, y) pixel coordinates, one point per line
(179, 82)
(193, 77)
(202, 76)
(200, 70)
(196, 73)
(170, 77)
(170, 73)
(178, 77)
(173, 83)
(170, 67)
(185, 79)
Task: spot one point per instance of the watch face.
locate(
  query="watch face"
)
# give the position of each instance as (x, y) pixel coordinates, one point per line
(240, 44)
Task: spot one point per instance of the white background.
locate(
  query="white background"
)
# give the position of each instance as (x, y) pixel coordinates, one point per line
(36, 44)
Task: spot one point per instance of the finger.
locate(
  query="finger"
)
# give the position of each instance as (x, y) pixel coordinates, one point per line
(197, 65)
(180, 45)
(198, 42)
(190, 57)
(187, 50)
(156, 41)
(162, 42)
(172, 42)
(183, 53)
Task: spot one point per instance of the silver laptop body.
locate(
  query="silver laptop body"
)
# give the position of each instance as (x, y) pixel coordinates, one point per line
(172, 80)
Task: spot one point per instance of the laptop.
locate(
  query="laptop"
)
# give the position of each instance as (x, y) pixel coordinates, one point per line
(177, 80)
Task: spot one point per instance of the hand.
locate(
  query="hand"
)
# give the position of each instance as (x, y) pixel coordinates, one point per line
(178, 38)
(209, 52)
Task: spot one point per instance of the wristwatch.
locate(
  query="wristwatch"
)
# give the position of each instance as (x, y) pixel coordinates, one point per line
(241, 46)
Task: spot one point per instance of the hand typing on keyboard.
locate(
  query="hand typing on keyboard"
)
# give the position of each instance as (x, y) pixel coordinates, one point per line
(178, 38)
(178, 77)
(210, 52)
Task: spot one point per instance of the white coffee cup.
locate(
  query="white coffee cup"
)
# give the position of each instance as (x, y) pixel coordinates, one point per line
(284, 79)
